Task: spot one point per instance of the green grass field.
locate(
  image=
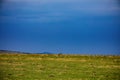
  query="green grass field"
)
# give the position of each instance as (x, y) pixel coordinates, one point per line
(58, 67)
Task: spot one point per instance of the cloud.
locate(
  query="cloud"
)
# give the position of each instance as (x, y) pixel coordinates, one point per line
(57, 10)
(85, 6)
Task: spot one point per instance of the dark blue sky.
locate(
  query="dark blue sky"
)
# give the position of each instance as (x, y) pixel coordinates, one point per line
(67, 26)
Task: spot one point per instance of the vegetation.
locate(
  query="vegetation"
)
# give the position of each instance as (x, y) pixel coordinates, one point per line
(58, 67)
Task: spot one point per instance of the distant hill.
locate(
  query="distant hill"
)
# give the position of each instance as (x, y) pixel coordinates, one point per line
(8, 51)
(46, 53)
(15, 52)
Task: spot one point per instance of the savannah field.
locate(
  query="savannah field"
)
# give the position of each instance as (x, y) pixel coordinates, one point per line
(59, 67)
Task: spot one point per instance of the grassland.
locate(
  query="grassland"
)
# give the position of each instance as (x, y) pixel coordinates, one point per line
(58, 67)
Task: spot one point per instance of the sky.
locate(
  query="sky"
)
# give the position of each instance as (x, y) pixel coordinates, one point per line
(60, 26)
